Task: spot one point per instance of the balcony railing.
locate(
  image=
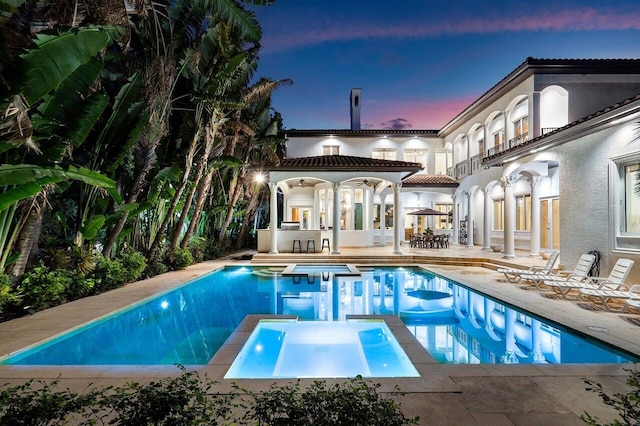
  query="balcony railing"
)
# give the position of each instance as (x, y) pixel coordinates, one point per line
(476, 163)
(518, 140)
(461, 169)
(495, 150)
(546, 130)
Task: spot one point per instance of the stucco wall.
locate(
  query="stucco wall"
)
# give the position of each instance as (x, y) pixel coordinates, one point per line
(585, 215)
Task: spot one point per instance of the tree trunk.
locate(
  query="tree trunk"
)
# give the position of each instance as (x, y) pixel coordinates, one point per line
(27, 241)
(203, 190)
(155, 244)
(113, 232)
(254, 201)
(210, 134)
(234, 195)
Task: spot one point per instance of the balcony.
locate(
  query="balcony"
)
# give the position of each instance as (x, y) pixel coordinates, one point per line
(461, 170)
(518, 140)
(476, 163)
(495, 150)
(512, 143)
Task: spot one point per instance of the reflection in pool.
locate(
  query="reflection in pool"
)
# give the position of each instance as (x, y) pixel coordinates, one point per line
(190, 323)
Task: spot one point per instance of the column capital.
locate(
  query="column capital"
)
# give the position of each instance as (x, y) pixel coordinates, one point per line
(273, 186)
(534, 180)
(396, 186)
(486, 191)
(335, 185)
(509, 180)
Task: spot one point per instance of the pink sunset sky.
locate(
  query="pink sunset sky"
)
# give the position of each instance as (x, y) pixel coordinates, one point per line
(420, 63)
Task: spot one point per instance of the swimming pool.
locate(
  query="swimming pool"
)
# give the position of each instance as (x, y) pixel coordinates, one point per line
(189, 324)
(293, 349)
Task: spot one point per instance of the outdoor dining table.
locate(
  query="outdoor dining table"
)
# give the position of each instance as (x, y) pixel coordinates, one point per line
(429, 241)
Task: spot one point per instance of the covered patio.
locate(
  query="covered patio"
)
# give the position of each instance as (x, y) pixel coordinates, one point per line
(330, 200)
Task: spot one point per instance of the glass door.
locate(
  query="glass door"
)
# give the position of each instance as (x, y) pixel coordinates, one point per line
(550, 224)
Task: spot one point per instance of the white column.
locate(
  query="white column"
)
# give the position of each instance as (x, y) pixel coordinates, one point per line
(336, 218)
(506, 127)
(273, 222)
(456, 222)
(509, 216)
(534, 115)
(397, 212)
(365, 209)
(534, 181)
(486, 138)
(352, 210)
(371, 206)
(486, 222)
(509, 356)
(470, 219)
(536, 351)
(383, 225)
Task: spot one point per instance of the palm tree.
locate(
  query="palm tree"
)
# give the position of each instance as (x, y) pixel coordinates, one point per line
(256, 103)
(47, 81)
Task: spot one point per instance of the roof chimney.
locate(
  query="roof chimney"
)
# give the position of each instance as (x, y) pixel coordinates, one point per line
(355, 109)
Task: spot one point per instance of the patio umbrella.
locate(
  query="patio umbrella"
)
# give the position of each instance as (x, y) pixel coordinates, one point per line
(429, 212)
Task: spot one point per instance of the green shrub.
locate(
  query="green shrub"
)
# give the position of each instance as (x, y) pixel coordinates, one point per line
(182, 400)
(108, 274)
(156, 267)
(8, 295)
(134, 264)
(626, 404)
(42, 288)
(78, 259)
(180, 258)
(198, 248)
(356, 402)
(79, 287)
(189, 400)
(40, 403)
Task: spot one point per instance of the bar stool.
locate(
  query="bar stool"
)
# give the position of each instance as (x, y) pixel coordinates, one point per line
(325, 241)
(293, 249)
(311, 243)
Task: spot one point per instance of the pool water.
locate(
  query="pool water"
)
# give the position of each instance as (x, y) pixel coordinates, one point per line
(189, 324)
(294, 349)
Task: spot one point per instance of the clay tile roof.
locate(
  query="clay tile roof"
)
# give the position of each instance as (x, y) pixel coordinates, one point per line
(429, 180)
(345, 162)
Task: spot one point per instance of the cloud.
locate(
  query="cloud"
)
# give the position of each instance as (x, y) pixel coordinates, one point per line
(568, 20)
(396, 124)
(432, 114)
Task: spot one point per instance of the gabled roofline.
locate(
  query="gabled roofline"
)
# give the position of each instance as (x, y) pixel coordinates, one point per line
(533, 66)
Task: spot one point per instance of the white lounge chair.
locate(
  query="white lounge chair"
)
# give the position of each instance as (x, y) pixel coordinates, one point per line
(579, 273)
(615, 281)
(631, 304)
(606, 295)
(514, 274)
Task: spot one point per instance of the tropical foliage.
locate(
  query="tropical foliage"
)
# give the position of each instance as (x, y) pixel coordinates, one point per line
(190, 400)
(129, 125)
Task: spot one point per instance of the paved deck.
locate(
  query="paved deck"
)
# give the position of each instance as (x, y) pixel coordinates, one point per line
(444, 395)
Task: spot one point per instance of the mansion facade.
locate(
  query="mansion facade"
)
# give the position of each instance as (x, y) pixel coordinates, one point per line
(547, 159)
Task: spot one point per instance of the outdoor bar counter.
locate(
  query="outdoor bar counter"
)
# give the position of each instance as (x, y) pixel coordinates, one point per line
(348, 238)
